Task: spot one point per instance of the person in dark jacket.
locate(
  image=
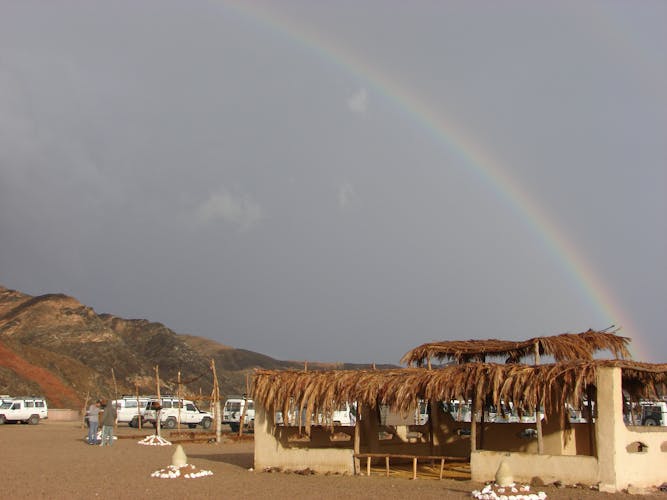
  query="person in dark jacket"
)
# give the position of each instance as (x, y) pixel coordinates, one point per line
(108, 421)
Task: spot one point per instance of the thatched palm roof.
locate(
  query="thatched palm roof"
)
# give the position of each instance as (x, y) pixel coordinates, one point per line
(563, 347)
(401, 389)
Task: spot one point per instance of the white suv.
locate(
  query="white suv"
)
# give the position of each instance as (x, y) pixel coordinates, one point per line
(130, 408)
(173, 410)
(28, 410)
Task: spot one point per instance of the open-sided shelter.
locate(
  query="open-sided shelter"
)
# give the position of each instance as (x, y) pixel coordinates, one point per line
(603, 450)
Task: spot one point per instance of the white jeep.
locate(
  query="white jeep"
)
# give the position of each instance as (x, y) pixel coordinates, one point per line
(130, 408)
(233, 410)
(28, 410)
(172, 411)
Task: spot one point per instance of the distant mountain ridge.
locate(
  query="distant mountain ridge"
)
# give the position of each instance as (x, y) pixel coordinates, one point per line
(55, 346)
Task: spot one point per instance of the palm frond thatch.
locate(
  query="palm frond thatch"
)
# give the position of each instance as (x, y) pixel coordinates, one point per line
(563, 347)
(526, 386)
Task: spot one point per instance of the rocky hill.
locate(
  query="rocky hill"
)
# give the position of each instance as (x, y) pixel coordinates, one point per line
(57, 347)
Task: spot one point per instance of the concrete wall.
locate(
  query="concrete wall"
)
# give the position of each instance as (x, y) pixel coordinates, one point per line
(625, 455)
(64, 415)
(280, 447)
(621, 464)
(528, 466)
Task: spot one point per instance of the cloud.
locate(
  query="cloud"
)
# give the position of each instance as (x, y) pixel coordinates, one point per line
(234, 208)
(358, 102)
(346, 195)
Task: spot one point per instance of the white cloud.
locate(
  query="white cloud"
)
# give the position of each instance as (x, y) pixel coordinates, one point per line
(234, 208)
(346, 195)
(358, 102)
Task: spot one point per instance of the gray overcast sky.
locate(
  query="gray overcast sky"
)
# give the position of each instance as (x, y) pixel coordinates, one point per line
(258, 174)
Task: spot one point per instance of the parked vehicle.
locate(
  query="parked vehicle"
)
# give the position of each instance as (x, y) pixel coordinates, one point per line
(171, 411)
(504, 414)
(654, 413)
(27, 409)
(233, 409)
(344, 414)
(130, 408)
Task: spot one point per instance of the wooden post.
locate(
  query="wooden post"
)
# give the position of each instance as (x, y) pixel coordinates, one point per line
(591, 425)
(368, 466)
(218, 422)
(357, 440)
(85, 410)
(216, 404)
(481, 418)
(139, 419)
(245, 406)
(414, 468)
(538, 420)
(473, 424)
(386, 464)
(115, 391)
(180, 402)
(159, 400)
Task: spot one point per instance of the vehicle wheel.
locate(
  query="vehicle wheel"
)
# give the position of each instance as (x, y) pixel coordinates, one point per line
(234, 426)
(33, 420)
(2, 419)
(134, 422)
(170, 423)
(192, 426)
(650, 421)
(206, 423)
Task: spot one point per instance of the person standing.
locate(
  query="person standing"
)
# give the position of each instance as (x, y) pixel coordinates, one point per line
(93, 421)
(108, 421)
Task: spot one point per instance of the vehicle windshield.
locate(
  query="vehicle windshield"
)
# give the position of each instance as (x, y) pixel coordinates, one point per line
(232, 406)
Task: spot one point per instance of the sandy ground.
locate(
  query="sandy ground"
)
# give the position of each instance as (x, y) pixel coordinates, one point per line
(51, 460)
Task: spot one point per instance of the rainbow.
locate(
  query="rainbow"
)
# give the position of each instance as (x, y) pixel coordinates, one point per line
(590, 286)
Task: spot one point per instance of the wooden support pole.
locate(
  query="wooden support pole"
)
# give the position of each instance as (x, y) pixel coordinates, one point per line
(368, 466)
(538, 420)
(414, 468)
(386, 464)
(115, 392)
(357, 440)
(589, 419)
(442, 467)
(159, 400)
(245, 406)
(473, 424)
(85, 410)
(139, 419)
(215, 402)
(180, 402)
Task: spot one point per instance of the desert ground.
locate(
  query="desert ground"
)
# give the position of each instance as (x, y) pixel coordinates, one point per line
(52, 460)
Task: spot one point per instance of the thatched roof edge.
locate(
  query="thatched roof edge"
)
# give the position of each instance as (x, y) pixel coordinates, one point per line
(401, 389)
(562, 347)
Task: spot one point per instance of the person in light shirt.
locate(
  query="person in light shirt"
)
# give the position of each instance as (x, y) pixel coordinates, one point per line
(93, 421)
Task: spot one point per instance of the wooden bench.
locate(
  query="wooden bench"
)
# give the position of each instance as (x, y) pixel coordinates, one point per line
(388, 456)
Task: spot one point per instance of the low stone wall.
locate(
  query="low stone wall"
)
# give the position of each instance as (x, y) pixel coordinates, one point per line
(64, 415)
(526, 467)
